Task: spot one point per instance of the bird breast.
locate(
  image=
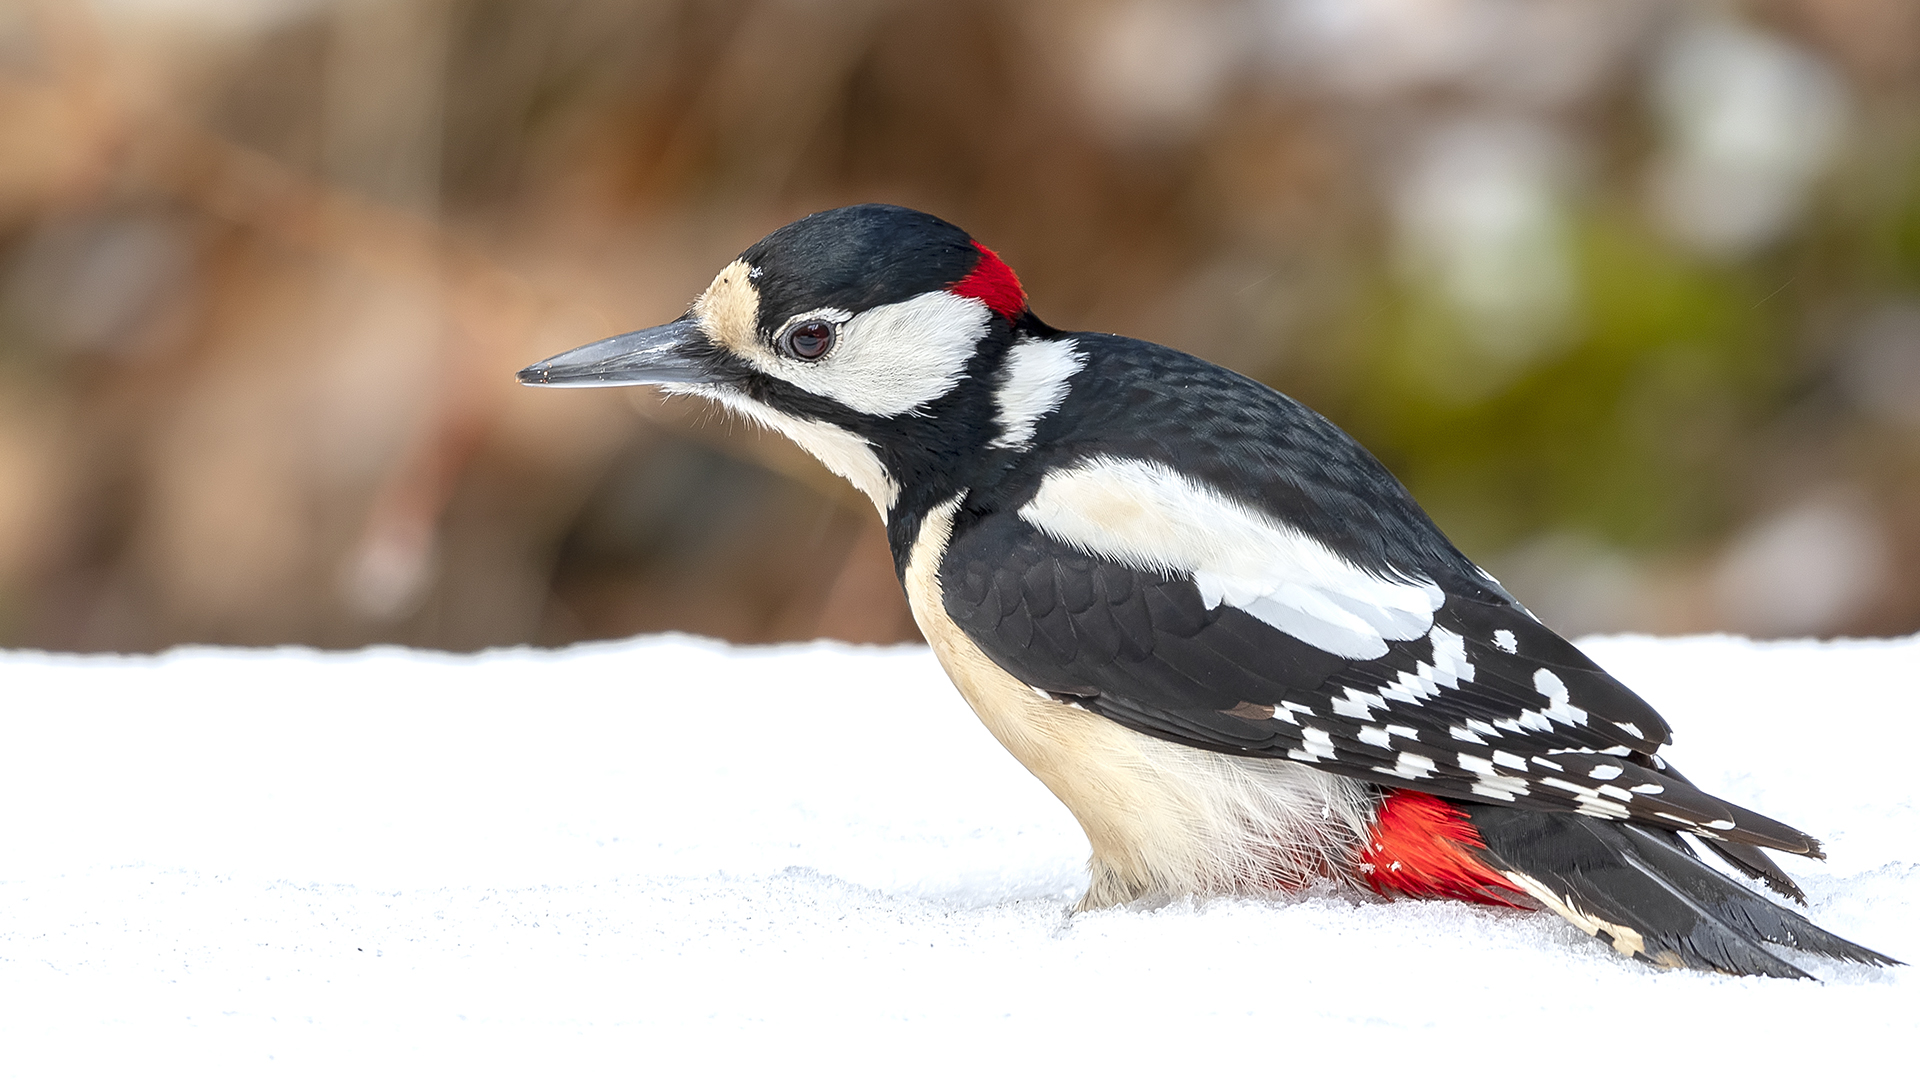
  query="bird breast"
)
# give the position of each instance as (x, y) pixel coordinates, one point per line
(1164, 820)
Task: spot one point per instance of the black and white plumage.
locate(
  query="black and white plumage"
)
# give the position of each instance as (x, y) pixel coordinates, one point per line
(1215, 626)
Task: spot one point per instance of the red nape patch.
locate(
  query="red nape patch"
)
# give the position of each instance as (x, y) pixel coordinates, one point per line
(993, 283)
(1422, 846)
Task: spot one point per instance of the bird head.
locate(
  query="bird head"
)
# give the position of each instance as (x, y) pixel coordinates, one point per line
(874, 336)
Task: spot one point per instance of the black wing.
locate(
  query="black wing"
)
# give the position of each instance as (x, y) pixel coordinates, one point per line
(1490, 706)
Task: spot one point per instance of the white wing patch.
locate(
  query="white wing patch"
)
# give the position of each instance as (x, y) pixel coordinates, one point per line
(1144, 515)
(892, 359)
(1036, 383)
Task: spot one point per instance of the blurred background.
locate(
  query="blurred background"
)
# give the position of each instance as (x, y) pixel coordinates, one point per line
(1627, 291)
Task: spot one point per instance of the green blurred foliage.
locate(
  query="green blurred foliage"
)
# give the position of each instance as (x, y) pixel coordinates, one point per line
(1639, 430)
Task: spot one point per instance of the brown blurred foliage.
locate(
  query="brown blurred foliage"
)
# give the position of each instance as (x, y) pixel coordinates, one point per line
(1627, 290)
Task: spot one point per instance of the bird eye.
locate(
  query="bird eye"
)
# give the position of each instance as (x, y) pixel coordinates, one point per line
(810, 340)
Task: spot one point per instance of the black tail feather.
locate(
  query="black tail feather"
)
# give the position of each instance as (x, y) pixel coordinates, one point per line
(1749, 833)
(1733, 905)
(1759, 829)
(1756, 864)
(1648, 896)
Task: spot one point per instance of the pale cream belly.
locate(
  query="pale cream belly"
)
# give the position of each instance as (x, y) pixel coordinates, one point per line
(1164, 820)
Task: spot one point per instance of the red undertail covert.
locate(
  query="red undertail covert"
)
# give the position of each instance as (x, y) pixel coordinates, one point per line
(1422, 846)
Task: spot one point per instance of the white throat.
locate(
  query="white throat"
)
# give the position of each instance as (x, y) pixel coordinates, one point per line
(841, 451)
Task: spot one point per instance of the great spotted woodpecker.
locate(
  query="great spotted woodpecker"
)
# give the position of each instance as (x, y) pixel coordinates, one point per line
(1208, 620)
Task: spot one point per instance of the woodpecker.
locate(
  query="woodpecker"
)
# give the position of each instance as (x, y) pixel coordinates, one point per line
(1207, 619)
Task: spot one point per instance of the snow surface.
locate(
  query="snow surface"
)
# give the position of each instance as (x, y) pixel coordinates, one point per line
(669, 856)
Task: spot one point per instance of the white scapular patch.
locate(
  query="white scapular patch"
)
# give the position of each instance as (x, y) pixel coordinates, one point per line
(1506, 642)
(846, 454)
(1034, 385)
(1146, 516)
(889, 360)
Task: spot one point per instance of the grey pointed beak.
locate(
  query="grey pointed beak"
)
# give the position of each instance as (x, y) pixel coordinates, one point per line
(659, 356)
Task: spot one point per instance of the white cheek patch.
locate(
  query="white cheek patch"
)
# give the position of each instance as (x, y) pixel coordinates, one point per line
(886, 361)
(846, 454)
(1145, 516)
(892, 359)
(1034, 386)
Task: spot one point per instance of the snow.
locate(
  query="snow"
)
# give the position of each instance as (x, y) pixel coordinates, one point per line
(675, 856)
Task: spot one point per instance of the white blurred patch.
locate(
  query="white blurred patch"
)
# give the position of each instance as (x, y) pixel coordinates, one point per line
(1803, 571)
(1534, 52)
(1373, 46)
(1481, 221)
(237, 16)
(1152, 69)
(1752, 120)
(389, 572)
(1576, 584)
